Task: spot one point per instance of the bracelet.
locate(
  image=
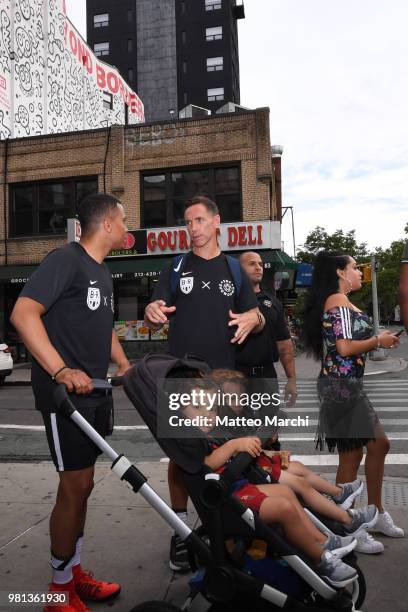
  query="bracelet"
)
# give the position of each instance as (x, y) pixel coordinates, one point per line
(60, 370)
(378, 342)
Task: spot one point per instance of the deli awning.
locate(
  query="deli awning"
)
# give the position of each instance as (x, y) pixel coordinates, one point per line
(278, 259)
(16, 274)
(138, 267)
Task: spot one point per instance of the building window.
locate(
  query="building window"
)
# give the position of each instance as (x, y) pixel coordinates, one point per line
(43, 207)
(164, 195)
(101, 49)
(184, 37)
(184, 67)
(130, 74)
(107, 100)
(212, 5)
(130, 45)
(130, 15)
(185, 98)
(215, 94)
(101, 21)
(183, 7)
(215, 64)
(213, 33)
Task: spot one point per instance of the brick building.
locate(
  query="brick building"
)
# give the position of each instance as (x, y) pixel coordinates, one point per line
(153, 169)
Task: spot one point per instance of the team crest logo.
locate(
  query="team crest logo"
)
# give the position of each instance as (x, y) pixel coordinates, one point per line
(226, 287)
(186, 284)
(94, 298)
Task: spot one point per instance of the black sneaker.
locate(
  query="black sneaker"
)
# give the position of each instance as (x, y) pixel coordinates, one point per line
(178, 555)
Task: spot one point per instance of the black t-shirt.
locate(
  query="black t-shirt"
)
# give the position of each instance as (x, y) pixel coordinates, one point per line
(261, 349)
(77, 293)
(205, 294)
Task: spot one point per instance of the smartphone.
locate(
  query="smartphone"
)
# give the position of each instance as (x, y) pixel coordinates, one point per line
(399, 333)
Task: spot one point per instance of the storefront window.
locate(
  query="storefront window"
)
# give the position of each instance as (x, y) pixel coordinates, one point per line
(164, 195)
(131, 299)
(43, 207)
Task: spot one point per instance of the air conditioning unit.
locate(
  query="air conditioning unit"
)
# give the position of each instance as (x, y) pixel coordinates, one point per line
(193, 112)
(231, 107)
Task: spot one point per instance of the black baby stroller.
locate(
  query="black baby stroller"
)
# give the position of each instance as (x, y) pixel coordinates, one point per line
(227, 576)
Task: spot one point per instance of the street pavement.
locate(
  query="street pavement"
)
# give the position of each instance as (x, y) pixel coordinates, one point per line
(127, 541)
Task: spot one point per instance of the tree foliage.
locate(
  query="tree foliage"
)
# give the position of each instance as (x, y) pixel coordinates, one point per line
(319, 240)
(388, 261)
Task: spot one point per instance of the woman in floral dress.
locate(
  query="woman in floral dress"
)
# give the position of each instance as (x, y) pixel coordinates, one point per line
(340, 335)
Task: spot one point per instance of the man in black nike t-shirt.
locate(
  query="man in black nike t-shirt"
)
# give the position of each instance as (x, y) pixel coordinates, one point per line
(207, 315)
(64, 315)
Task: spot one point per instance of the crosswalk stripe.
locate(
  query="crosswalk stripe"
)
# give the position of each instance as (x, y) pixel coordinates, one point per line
(42, 428)
(396, 459)
(390, 394)
(385, 422)
(298, 437)
(315, 408)
(393, 459)
(373, 400)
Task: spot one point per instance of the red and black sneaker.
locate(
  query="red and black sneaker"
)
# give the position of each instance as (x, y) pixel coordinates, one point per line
(87, 587)
(74, 604)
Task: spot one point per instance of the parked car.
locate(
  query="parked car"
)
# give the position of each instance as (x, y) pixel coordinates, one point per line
(6, 362)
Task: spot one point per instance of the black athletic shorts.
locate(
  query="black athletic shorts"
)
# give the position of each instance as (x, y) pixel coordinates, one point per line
(70, 447)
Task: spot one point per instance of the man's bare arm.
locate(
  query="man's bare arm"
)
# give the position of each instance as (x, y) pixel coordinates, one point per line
(26, 318)
(287, 359)
(118, 356)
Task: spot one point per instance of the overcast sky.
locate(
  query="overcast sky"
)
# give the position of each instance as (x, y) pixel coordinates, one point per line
(335, 77)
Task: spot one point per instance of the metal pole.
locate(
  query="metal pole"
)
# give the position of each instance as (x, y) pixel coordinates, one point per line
(293, 233)
(377, 354)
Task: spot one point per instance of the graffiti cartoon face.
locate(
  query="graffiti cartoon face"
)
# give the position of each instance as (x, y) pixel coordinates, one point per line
(24, 43)
(24, 73)
(25, 9)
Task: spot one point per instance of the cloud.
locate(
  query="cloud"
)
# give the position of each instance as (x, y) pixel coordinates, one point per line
(334, 76)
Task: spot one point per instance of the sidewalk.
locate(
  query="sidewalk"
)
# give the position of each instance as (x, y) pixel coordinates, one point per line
(305, 367)
(127, 541)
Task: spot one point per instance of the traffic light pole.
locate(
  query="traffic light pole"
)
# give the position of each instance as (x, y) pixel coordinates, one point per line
(376, 354)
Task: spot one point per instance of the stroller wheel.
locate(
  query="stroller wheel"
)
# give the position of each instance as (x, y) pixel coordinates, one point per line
(155, 606)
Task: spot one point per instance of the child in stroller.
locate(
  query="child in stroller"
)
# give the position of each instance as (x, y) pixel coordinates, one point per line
(295, 475)
(277, 503)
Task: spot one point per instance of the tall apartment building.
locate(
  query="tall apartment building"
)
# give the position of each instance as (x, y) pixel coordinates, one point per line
(50, 80)
(173, 52)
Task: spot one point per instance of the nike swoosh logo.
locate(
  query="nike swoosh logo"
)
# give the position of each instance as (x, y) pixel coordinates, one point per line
(178, 267)
(184, 273)
(93, 282)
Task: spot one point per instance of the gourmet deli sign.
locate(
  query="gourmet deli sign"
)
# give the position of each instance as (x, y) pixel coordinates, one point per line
(255, 235)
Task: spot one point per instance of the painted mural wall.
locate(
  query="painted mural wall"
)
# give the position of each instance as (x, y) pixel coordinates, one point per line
(50, 80)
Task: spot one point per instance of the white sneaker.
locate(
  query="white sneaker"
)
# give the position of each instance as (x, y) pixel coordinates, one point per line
(385, 525)
(366, 544)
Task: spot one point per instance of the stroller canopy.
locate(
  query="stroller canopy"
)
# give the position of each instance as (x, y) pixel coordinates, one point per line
(143, 385)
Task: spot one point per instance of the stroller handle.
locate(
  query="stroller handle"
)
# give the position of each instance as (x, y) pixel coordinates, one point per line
(64, 402)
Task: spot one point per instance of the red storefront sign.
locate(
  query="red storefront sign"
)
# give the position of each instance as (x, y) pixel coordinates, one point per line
(173, 240)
